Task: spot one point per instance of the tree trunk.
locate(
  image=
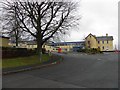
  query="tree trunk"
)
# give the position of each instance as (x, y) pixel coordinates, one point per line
(39, 49)
(16, 41)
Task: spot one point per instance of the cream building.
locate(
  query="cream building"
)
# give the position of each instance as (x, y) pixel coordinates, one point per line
(4, 41)
(104, 43)
(68, 46)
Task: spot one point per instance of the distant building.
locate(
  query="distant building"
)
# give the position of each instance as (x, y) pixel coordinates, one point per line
(68, 46)
(4, 41)
(104, 43)
(25, 44)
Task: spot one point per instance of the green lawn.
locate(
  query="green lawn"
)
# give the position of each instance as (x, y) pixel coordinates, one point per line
(23, 61)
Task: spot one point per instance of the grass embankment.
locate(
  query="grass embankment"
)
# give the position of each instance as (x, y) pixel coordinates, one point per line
(23, 61)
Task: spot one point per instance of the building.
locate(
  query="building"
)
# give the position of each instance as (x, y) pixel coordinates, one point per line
(4, 41)
(24, 44)
(28, 44)
(104, 43)
(68, 46)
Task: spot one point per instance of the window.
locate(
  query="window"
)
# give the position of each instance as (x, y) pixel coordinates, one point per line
(88, 42)
(107, 41)
(103, 42)
(103, 47)
(107, 48)
(98, 42)
(98, 47)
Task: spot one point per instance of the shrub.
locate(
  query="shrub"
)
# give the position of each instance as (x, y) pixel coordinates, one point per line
(91, 50)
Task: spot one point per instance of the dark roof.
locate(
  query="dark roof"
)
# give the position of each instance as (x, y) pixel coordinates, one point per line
(29, 42)
(67, 42)
(4, 37)
(104, 38)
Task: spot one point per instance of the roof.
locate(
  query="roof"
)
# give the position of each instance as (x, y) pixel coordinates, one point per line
(29, 42)
(104, 38)
(92, 35)
(1, 36)
(67, 42)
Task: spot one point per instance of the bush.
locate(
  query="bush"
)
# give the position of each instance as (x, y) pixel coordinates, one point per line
(91, 50)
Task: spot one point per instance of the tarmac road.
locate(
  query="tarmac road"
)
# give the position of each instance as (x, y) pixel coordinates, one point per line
(78, 70)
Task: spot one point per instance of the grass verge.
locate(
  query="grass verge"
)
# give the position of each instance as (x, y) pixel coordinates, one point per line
(23, 61)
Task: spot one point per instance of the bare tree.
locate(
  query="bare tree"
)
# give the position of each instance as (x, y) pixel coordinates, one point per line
(43, 20)
(10, 24)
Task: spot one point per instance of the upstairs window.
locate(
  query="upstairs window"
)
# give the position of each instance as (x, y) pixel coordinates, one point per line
(103, 42)
(88, 42)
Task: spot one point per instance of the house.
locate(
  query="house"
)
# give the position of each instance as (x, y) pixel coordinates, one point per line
(4, 41)
(104, 43)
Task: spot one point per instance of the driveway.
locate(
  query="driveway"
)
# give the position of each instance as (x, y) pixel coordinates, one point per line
(78, 70)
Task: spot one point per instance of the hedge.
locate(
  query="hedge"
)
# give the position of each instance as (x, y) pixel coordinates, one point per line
(17, 52)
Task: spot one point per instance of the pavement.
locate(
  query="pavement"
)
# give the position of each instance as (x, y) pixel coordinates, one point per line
(78, 70)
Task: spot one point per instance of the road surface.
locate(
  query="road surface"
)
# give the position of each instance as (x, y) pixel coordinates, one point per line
(76, 71)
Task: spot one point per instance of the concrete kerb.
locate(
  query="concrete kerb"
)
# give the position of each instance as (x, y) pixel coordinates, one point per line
(33, 68)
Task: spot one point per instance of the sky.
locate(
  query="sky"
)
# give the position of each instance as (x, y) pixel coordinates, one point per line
(97, 17)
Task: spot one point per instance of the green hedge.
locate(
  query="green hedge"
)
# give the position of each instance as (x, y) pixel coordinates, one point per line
(11, 52)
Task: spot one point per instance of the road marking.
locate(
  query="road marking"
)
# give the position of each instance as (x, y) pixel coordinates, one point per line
(98, 59)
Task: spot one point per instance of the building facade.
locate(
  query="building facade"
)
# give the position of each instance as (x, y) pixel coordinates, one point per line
(104, 43)
(4, 41)
(68, 46)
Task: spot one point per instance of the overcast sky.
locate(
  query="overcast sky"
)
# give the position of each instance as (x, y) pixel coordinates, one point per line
(98, 17)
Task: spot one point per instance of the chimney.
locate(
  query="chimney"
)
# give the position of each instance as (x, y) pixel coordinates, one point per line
(106, 34)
